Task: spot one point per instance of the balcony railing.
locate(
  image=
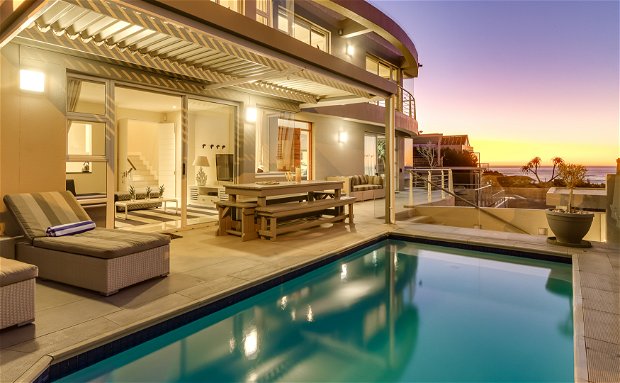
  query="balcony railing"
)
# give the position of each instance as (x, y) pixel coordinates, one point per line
(407, 105)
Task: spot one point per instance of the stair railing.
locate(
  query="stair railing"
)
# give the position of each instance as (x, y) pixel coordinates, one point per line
(430, 183)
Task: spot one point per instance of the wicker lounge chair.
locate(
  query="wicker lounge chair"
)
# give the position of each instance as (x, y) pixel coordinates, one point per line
(103, 260)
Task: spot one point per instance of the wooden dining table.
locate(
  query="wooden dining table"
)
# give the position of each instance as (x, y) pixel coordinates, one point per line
(263, 190)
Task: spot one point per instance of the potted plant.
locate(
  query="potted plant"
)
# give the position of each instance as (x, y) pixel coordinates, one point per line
(161, 191)
(132, 192)
(148, 192)
(570, 225)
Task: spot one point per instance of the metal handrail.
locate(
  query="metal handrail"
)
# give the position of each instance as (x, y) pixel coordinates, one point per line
(407, 105)
(467, 202)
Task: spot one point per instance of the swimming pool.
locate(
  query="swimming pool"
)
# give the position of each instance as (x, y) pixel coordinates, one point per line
(395, 311)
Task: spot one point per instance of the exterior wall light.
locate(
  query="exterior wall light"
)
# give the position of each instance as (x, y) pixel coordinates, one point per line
(31, 80)
(343, 137)
(350, 50)
(250, 114)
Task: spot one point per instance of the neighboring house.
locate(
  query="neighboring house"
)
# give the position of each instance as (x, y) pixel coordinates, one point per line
(438, 142)
(112, 93)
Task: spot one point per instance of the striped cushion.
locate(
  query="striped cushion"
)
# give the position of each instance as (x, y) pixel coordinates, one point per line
(69, 228)
(35, 212)
(103, 243)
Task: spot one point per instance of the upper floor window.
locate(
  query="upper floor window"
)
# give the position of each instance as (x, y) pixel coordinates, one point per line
(263, 12)
(233, 5)
(303, 30)
(381, 68)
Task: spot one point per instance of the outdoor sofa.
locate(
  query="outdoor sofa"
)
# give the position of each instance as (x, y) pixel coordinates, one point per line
(103, 260)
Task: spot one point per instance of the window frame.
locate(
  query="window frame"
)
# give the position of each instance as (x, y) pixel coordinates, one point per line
(313, 27)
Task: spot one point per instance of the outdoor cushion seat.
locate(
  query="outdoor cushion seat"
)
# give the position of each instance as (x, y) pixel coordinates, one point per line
(103, 260)
(12, 271)
(103, 243)
(17, 285)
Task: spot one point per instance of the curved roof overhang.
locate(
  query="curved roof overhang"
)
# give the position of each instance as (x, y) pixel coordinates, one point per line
(197, 40)
(371, 18)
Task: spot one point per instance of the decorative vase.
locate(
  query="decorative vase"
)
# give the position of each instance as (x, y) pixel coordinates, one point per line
(569, 228)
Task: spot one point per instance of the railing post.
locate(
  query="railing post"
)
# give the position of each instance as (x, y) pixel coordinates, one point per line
(443, 192)
(429, 191)
(450, 181)
(411, 183)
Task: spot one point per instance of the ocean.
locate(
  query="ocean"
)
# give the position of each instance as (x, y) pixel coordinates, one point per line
(595, 174)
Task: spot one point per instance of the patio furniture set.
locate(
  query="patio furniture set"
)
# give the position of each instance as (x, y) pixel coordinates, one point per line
(265, 209)
(61, 244)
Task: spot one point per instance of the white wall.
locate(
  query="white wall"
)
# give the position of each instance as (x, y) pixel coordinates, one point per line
(212, 127)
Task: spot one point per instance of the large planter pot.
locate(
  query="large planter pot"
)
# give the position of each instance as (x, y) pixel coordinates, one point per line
(569, 228)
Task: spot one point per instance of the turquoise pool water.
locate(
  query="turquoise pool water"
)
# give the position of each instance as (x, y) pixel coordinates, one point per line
(396, 311)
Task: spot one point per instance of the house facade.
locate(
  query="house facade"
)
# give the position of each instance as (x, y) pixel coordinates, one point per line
(110, 96)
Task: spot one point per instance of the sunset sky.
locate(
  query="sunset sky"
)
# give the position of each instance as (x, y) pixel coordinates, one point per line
(521, 78)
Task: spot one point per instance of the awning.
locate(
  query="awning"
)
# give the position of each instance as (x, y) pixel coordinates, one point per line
(121, 32)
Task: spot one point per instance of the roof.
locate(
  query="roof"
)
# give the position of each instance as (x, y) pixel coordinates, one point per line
(455, 140)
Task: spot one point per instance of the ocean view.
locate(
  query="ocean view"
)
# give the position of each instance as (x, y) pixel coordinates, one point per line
(595, 174)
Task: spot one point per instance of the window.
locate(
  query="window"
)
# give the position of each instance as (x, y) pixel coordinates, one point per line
(381, 68)
(233, 5)
(283, 144)
(263, 12)
(374, 154)
(86, 164)
(303, 30)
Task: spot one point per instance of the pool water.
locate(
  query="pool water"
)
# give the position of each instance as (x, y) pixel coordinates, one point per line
(395, 311)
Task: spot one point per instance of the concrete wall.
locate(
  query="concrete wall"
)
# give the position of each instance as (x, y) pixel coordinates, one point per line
(530, 220)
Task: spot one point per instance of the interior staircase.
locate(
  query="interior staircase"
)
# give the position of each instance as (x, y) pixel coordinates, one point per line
(143, 175)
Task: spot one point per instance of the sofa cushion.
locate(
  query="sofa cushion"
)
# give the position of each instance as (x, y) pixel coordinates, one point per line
(35, 212)
(375, 180)
(103, 243)
(366, 187)
(12, 271)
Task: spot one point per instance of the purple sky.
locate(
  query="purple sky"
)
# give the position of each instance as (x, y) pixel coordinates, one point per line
(522, 78)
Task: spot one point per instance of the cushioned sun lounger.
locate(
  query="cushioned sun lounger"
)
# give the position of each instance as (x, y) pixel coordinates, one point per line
(103, 260)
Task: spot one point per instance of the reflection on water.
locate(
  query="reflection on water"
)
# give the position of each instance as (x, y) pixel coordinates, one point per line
(394, 312)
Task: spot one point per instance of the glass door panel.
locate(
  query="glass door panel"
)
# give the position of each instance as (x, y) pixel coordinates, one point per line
(210, 157)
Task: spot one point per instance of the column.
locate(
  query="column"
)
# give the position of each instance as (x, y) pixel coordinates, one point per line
(390, 187)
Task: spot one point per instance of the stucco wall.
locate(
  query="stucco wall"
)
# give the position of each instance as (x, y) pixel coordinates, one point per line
(33, 145)
(330, 157)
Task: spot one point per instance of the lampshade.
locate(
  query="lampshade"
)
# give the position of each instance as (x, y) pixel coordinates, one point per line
(201, 161)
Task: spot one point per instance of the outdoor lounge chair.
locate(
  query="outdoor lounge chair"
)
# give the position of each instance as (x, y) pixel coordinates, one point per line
(103, 260)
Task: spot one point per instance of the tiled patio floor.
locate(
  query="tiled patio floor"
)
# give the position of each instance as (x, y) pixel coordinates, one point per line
(205, 267)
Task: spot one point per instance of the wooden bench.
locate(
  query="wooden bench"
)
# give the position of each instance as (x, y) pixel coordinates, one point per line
(236, 224)
(269, 215)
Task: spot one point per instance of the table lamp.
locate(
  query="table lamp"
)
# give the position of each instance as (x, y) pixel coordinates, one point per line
(201, 176)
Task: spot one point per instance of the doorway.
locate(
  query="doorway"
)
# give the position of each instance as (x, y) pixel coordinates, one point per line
(147, 196)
